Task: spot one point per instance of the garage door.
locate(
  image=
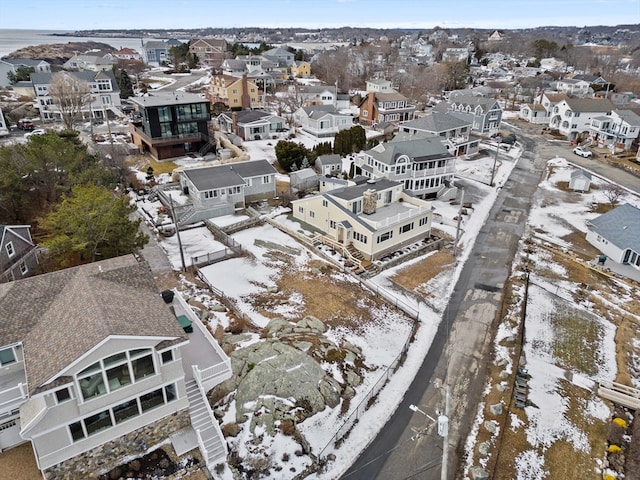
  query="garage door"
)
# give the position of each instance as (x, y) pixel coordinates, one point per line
(10, 434)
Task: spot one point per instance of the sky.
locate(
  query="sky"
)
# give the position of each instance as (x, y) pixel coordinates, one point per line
(500, 14)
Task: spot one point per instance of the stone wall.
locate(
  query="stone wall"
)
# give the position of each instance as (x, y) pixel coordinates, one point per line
(91, 464)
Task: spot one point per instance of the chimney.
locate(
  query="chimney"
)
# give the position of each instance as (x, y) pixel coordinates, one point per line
(370, 102)
(369, 199)
(245, 101)
(234, 124)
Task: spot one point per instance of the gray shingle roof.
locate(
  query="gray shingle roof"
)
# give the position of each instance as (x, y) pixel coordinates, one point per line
(356, 191)
(227, 175)
(427, 148)
(62, 315)
(436, 122)
(590, 104)
(620, 226)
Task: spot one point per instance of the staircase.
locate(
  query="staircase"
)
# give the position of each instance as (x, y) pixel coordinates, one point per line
(212, 444)
(186, 215)
(206, 148)
(368, 268)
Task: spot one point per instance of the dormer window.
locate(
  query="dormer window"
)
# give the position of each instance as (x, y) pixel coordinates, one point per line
(10, 250)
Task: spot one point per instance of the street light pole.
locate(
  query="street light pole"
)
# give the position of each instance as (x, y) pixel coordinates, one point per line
(443, 430)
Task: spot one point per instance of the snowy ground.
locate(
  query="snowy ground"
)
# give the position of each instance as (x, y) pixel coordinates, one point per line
(240, 278)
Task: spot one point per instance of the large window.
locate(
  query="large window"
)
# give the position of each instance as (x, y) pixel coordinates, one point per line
(7, 356)
(164, 114)
(122, 412)
(115, 371)
(10, 250)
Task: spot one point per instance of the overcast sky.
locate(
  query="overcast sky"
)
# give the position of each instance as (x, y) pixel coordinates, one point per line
(123, 14)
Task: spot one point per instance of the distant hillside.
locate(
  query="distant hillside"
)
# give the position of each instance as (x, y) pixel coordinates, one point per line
(58, 53)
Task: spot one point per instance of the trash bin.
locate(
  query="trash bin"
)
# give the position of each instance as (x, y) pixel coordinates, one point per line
(167, 296)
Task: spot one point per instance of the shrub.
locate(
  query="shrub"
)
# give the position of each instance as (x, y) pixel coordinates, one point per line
(287, 427)
(335, 356)
(230, 429)
(621, 422)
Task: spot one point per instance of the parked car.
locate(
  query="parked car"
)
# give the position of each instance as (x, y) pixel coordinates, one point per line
(583, 152)
(25, 124)
(37, 131)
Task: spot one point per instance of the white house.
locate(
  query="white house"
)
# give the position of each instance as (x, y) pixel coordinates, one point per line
(374, 218)
(453, 131)
(97, 368)
(617, 234)
(617, 131)
(251, 124)
(574, 87)
(573, 116)
(485, 114)
(322, 120)
(11, 65)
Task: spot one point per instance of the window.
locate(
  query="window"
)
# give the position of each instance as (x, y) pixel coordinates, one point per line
(266, 179)
(233, 190)
(384, 237)
(360, 237)
(406, 228)
(63, 395)
(167, 356)
(164, 114)
(325, 203)
(423, 221)
(98, 422)
(151, 400)
(10, 250)
(332, 224)
(77, 433)
(23, 268)
(300, 209)
(7, 356)
(356, 206)
(210, 193)
(126, 410)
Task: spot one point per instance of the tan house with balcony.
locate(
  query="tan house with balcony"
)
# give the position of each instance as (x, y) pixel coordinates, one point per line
(237, 93)
(98, 367)
(209, 51)
(374, 218)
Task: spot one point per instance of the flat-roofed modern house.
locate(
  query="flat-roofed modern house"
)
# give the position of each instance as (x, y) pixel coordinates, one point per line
(374, 218)
(172, 124)
(617, 234)
(97, 369)
(424, 166)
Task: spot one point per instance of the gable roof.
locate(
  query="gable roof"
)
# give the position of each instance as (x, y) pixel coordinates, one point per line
(26, 62)
(319, 111)
(620, 226)
(228, 174)
(60, 316)
(356, 191)
(473, 101)
(629, 116)
(5, 230)
(329, 159)
(437, 122)
(589, 104)
(44, 78)
(426, 148)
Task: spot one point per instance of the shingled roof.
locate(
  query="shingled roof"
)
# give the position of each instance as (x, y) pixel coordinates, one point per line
(620, 226)
(60, 316)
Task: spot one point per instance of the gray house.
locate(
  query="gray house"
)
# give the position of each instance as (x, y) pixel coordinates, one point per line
(156, 52)
(208, 192)
(11, 65)
(329, 165)
(97, 368)
(617, 234)
(18, 253)
(485, 114)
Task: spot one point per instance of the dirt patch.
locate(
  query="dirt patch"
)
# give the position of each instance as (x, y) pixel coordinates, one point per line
(19, 463)
(156, 464)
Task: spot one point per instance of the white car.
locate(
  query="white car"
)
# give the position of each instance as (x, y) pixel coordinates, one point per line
(583, 152)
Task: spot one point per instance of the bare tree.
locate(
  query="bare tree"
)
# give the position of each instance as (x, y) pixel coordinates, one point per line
(69, 94)
(613, 192)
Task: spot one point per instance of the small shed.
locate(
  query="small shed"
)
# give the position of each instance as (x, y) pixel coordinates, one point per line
(304, 179)
(580, 181)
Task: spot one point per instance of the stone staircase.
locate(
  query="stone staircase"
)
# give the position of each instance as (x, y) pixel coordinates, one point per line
(212, 444)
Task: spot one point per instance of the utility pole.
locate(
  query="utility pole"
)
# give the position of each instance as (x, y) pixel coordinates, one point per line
(495, 162)
(455, 245)
(175, 222)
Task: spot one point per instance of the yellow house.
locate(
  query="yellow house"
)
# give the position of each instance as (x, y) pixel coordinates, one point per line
(375, 218)
(301, 69)
(235, 92)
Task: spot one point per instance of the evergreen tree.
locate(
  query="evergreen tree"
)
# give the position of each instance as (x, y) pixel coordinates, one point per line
(124, 83)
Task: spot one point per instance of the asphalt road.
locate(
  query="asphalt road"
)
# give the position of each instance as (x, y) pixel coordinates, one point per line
(468, 329)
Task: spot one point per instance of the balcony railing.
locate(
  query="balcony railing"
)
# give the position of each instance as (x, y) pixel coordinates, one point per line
(10, 397)
(400, 217)
(179, 138)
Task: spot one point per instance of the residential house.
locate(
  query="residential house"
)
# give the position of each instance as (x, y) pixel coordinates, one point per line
(24, 89)
(574, 87)
(424, 166)
(301, 69)
(329, 165)
(156, 52)
(596, 82)
(617, 131)
(93, 63)
(322, 120)
(4, 128)
(97, 369)
(126, 53)
(617, 234)
(251, 124)
(316, 94)
(379, 85)
(103, 88)
(534, 113)
(172, 124)
(209, 51)
(374, 218)
(392, 107)
(453, 131)
(209, 192)
(235, 92)
(280, 55)
(580, 181)
(484, 113)
(11, 65)
(18, 253)
(496, 36)
(455, 54)
(572, 116)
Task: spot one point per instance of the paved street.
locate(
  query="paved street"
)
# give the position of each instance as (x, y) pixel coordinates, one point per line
(472, 314)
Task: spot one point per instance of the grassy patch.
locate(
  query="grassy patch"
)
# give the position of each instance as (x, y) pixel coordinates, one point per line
(576, 342)
(143, 162)
(580, 245)
(421, 272)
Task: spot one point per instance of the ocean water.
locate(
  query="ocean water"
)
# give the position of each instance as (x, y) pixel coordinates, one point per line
(12, 40)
